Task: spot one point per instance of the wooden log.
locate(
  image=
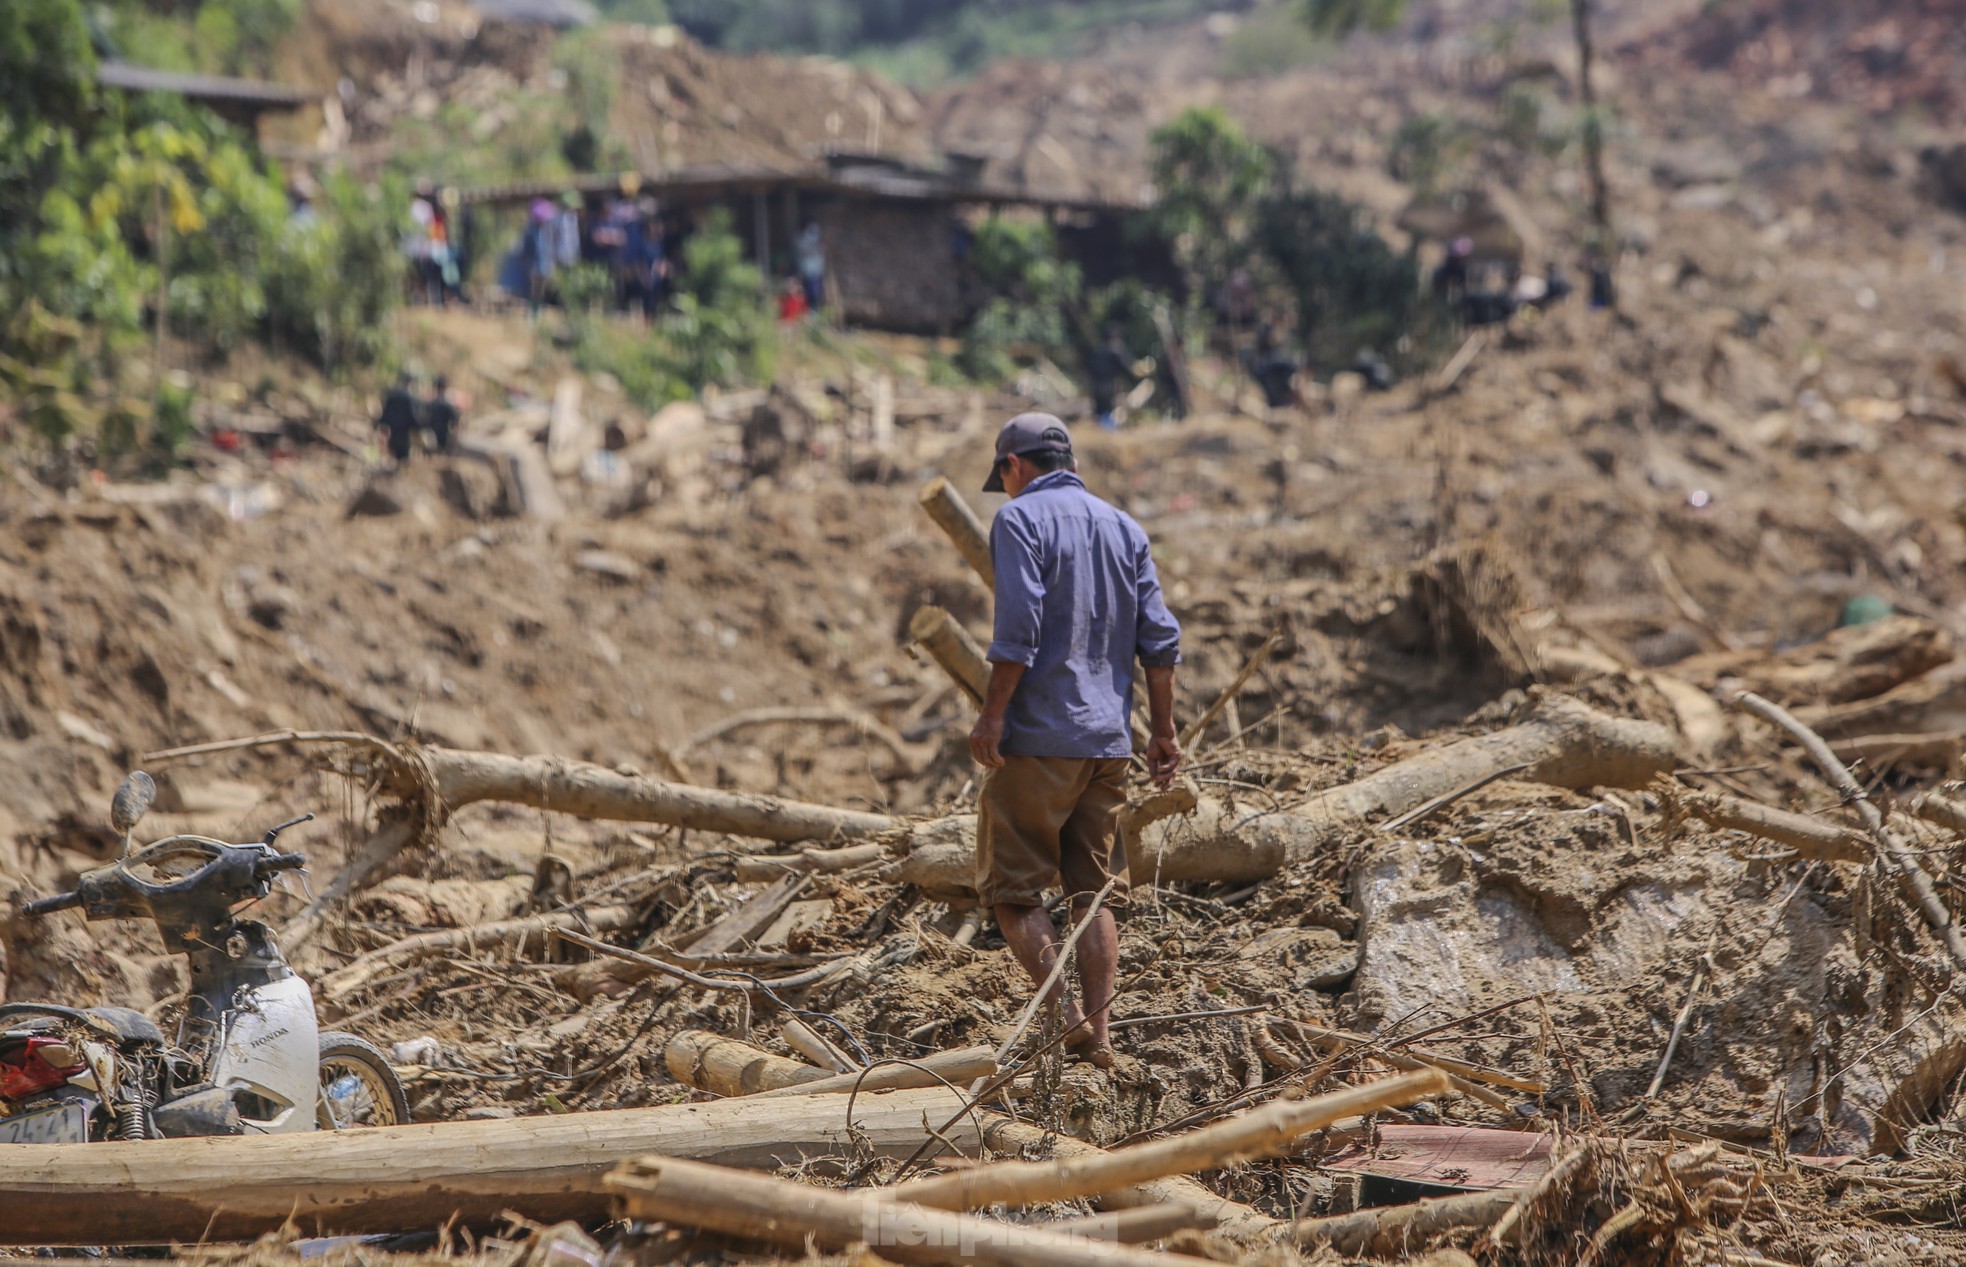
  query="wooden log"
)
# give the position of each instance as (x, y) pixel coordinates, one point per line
(405, 1178)
(727, 1066)
(1261, 1132)
(952, 514)
(1561, 742)
(591, 791)
(1811, 837)
(745, 1069)
(950, 646)
(1394, 1231)
(798, 1215)
(964, 1065)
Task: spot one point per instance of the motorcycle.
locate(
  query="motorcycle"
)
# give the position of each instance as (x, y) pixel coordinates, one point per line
(249, 1057)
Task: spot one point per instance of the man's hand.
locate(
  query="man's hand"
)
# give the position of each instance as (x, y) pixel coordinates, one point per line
(987, 734)
(1163, 757)
(983, 740)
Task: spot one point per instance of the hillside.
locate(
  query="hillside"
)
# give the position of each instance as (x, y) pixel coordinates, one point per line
(1681, 1034)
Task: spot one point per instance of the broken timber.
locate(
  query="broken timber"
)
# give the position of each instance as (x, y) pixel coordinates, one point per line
(397, 1178)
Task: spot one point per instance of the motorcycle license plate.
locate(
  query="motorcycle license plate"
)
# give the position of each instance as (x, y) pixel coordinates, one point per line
(64, 1123)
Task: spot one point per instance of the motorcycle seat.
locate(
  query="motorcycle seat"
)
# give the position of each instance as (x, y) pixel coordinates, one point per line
(126, 1024)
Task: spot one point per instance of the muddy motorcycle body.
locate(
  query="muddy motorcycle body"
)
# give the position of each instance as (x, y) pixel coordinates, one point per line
(248, 1057)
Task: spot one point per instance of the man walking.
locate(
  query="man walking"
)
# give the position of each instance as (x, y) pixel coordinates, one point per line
(1077, 602)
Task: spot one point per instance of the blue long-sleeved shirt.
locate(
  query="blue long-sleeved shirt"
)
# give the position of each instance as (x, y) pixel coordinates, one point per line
(1077, 602)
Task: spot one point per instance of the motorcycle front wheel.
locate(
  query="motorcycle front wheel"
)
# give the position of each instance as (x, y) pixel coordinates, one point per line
(358, 1086)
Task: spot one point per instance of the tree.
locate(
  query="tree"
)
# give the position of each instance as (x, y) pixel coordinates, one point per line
(1209, 178)
(47, 65)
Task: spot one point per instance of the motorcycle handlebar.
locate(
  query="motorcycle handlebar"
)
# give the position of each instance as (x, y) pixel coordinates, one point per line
(49, 905)
(282, 862)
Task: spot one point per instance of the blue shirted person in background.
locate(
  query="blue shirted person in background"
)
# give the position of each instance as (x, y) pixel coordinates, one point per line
(1078, 602)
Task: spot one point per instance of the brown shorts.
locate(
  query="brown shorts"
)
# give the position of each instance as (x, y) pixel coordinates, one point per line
(1045, 818)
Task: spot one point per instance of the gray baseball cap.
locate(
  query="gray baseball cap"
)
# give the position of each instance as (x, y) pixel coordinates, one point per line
(1027, 433)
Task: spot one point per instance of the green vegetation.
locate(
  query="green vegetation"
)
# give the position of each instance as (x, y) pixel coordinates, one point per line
(1210, 180)
(1226, 204)
(120, 215)
(718, 333)
(217, 37)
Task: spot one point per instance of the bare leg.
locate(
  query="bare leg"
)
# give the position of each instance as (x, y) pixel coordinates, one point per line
(1099, 961)
(1032, 937)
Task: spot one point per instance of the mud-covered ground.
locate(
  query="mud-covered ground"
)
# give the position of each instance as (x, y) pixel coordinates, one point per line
(1767, 431)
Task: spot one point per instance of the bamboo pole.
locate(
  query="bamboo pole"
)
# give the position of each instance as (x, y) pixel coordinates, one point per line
(1262, 1132)
(796, 1215)
(745, 1069)
(953, 516)
(1391, 1231)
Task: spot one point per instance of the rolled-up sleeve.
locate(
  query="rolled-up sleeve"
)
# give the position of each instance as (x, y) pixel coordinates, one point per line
(1020, 591)
(1158, 640)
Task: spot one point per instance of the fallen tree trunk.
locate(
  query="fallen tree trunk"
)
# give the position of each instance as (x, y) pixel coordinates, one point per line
(591, 791)
(796, 1215)
(1262, 1132)
(399, 1178)
(727, 1066)
(1395, 1231)
(1561, 742)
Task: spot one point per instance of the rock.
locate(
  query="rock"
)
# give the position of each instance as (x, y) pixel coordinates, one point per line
(608, 565)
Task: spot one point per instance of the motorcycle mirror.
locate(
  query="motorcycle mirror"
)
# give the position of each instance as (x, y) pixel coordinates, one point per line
(131, 802)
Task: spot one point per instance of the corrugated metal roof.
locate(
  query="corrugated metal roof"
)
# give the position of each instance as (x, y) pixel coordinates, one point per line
(904, 184)
(130, 78)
